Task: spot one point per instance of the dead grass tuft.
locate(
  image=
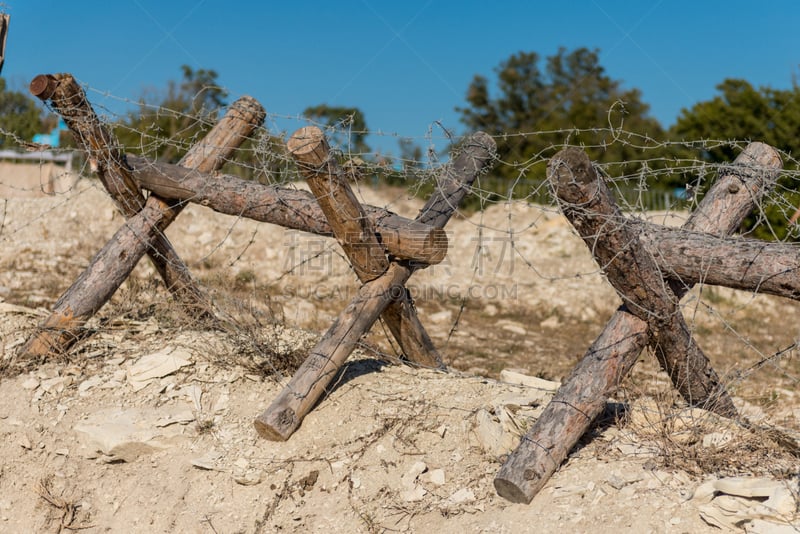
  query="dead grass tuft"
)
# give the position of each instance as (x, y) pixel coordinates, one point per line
(64, 512)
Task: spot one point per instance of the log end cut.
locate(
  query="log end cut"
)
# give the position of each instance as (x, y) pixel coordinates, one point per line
(308, 146)
(43, 86)
(569, 166)
(510, 491)
(276, 425)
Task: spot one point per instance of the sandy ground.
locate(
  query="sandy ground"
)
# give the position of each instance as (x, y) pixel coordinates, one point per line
(146, 425)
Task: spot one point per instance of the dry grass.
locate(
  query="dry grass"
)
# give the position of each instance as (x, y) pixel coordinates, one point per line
(65, 513)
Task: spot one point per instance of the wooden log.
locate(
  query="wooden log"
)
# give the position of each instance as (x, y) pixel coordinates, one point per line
(107, 159)
(592, 210)
(689, 258)
(736, 192)
(583, 394)
(291, 208)
(284, 415)
(4, 18)
(115, 261)
(94, 286)
(310, 382)
(578, 401)
(474, 156)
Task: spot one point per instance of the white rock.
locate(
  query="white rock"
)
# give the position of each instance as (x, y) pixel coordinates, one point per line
(30, 384)
(178, 415)
(760, 526)
(513, 377)
(195, 395)
(157, 365)
(207, 461)
(515, 328)
(491, 436)
(730, 502)
(462, 496)
(222, 403)
(551, 322)
(417, 493)
(437, 477)
(88, 384)
(56, 384)
(24, 442)
(717, 440)
(126, 434)
(251, 477)
(409, 479)
(444, 316)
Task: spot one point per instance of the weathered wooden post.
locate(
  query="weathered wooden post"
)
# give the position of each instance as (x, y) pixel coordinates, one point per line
(475, 156)
(610, 358)
(689, 258)
(142, 232)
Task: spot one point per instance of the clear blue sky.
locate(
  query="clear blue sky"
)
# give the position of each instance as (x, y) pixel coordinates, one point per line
(406, 64)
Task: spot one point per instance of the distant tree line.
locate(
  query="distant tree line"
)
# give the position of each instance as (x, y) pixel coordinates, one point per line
(532, 105)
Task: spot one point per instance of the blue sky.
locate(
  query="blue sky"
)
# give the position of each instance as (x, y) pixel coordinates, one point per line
(405, 64)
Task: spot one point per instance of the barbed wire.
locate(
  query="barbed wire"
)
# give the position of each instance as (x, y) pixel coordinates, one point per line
(494, 243)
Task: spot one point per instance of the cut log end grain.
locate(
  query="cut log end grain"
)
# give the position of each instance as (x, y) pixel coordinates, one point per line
(308, 146)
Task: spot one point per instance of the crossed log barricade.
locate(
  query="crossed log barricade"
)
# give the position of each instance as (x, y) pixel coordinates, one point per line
(146, 220)
(384, 282)
(650, 266)
(633, 256)
(383, 248)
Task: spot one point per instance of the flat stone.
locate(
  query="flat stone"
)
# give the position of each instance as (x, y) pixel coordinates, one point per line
(515, 328)
(24, 442)
(409, 479)
(250, 477)
(30, 384)
(56, 384)
(437, 477)
(551, 322)
(444, 316)
(462, 496)
(417, 493)
(514, 377)
(126, 434)
(180, 416)
(88, 384)
(157, 365)
(208, 461)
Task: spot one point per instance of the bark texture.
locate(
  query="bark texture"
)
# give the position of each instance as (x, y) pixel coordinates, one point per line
(583, 394)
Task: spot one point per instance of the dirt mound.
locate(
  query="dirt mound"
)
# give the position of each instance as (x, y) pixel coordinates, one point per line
(146, 425)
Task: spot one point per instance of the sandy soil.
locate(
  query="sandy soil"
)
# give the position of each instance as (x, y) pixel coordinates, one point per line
(93, 441)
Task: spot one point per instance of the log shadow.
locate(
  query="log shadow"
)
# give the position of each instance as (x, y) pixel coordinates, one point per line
(354, 369)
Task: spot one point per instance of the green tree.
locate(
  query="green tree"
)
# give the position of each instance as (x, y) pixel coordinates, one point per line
(20, 117)
(720, 127)
(166, 126)
(347, 127)
(740, 113)
(535, 111)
